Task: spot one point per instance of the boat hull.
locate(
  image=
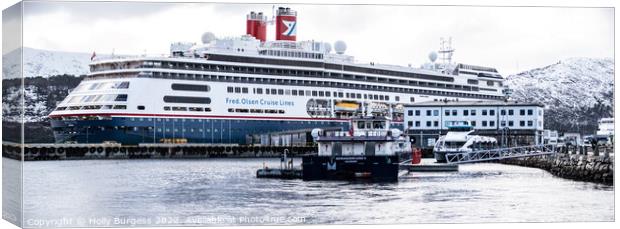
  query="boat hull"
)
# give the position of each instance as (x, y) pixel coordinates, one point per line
(371, 168)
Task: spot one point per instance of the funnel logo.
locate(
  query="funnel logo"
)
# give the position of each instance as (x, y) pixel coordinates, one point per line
(290, 28)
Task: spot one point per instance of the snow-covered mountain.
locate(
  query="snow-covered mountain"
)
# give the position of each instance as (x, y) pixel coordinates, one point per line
(576, 91)
(38, 62)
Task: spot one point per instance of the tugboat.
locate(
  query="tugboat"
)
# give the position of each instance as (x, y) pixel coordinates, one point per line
(459, 139)
(368, 151)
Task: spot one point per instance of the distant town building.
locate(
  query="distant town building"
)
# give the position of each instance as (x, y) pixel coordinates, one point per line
(605, 127)
(512, 123)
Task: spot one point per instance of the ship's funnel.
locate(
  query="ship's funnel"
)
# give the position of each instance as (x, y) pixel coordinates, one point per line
(256, 26)
(286, 24)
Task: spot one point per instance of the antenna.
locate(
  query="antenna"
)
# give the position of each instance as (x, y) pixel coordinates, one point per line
(446, 50)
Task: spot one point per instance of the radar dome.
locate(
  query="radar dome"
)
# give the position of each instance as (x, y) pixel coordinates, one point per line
(208, 37)
(432, 56)
(340, 47)
(328, 47)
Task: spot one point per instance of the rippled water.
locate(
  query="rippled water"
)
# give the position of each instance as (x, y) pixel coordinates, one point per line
(226, 192)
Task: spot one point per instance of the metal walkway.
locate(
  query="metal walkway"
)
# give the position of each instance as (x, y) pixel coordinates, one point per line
(498, 154)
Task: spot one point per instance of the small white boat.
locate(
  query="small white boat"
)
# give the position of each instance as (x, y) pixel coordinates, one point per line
(459, 139)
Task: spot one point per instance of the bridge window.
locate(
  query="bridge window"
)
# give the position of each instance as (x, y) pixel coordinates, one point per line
(121, 97)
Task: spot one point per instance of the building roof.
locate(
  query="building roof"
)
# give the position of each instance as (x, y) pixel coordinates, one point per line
(478, 103)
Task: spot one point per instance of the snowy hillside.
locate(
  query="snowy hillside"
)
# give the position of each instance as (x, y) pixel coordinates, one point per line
(577, 91)
(46, 63)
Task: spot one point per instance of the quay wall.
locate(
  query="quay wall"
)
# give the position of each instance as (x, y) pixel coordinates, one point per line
(598, 169)
(178, 151)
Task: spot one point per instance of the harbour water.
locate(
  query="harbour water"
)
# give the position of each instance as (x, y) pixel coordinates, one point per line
(227, 192)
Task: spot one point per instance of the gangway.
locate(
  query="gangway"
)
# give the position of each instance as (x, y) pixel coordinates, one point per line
(500, 153)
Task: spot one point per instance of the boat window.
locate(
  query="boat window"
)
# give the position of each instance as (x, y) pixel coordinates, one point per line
(360, 125)
(378, 125)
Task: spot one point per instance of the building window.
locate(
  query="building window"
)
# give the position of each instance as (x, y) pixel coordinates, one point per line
(473, 112)
(410, 123)
(435, 112)
(447, 112)
(503, 123)
(484, 123)
(473, 123)
(491, 123)
(511, 123)
(417, 123)
(465, 112)
(521, 123)
(522, 112)
(454, 113)
(436, 123)
(417, 112)
(428, 112)
(484, 113)
(428, 123)
(530, 112)
(410, 112)
(511, 112)
(502, 112)
(492, 112)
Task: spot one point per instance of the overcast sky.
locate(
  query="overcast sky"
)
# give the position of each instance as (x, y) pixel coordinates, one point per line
(511, 39)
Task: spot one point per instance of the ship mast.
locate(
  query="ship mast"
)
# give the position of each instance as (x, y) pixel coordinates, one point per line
(446, 51)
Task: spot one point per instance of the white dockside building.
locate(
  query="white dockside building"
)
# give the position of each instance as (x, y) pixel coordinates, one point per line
(512, 123)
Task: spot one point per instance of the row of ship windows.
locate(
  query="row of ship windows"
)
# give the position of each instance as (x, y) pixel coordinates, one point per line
(255, 111)
(472, 112)
(291, 54)
(473, 123)
(273, 91)
(273, 81)
(98, 98)
(198, 109)
(102, 86)
(93, 107)
(319, 74)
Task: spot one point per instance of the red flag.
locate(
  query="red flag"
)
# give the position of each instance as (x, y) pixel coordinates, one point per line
(93, 56)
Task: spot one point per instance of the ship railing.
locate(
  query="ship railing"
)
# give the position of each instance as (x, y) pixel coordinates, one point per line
(499, 153)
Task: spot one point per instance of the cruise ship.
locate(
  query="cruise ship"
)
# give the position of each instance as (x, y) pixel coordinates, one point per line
(227, 90)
